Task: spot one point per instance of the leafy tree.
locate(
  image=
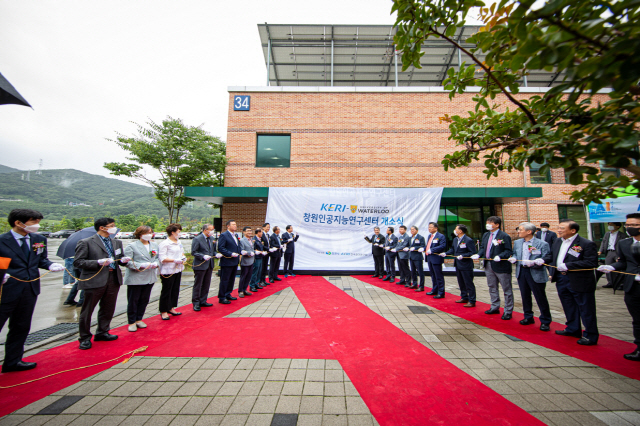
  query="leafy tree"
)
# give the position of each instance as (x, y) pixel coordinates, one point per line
(182, 155)
(594, 43)
(78, 223)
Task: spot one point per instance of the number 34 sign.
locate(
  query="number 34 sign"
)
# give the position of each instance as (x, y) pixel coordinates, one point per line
(241, 103)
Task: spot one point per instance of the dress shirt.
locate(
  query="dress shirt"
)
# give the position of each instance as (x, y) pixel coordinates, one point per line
(526, 254)
(612, 240)
(492, 237)
(108, 244)
(19, 238)
(564, 248)
(170, 250)
(543, 234)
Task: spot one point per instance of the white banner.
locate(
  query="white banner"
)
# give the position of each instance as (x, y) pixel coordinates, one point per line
(613, 209)
(332, 222)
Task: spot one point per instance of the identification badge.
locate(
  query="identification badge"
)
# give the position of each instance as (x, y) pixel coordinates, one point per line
(435, 240)
(536, 251)
(118, 251)
(463, 245)
(573, 253)
(39, 252)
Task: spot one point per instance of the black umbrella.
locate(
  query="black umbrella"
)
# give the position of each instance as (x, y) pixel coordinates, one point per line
(9, 95)
(68, 246)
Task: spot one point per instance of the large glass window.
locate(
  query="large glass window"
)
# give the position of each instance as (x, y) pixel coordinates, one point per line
(273, 151)
(473, 218)
(575, 213)
(536, 176)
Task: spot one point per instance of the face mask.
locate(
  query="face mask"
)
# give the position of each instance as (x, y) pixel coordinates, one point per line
(489, 227)
(146, 237)
(112, 231)
(31, 228)
(611, 228)
(634, 232)
(544, 229)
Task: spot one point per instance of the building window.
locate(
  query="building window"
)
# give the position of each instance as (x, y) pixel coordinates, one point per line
(608, 171)
(536, 176)
(575, 213)
(273, 151)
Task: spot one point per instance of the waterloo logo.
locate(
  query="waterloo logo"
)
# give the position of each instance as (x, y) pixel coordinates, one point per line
(354, 209)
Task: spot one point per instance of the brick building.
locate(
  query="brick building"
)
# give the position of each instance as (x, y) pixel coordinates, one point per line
(360, 122)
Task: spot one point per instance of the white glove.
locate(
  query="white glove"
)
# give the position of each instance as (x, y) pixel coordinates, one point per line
(528, 263)
(442, 254)
(394, 250)
(637, 277)
(125, 260)
(539, 261)
(512, 259)
(387, 248)
(153, 265)
(284, 247)
(272, 249)
(218, 255)
(145, 265)
(6, 278)
(250, 254)
(406, 249)
(460, 257)
(206, 257)
(56, 267)
(497, 259)
(105, 261)
(606, 268)
(234, 254)
(243, 252)
(429, 251)
(562, 267)
(421, 249)
(178, 262)
(475, 257)
(412, 248)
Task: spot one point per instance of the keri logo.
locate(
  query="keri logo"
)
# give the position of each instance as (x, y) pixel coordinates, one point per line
(333, 207)
(354, 209)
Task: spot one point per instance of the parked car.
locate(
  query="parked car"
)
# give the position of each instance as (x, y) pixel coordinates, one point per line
(160, 235)
(62, 234)
(185, 236)
(45, 234)
(126, 235)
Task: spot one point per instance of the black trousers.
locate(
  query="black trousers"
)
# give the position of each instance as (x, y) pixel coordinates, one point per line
(201, 285)
(245, 277)
(106, 296)
(417, 270)
(467, 287)
(437, 277)
(527, 286)
(633, 306)
(265, 268)
(288, 262)
(578, 306)
(19, 313)
(405, 272)
(137, 301)
(227, 280)
(378, 262)
(275, 265)
(170, 292)
(390, 262)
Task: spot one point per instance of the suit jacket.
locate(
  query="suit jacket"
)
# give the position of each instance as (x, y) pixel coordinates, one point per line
(274, 241)
(139, 254)
(391, 241)
(258, 245)
(228, 244)
(376, 239)
(290, 241)
(20, 267)
(580, 281)
(265, 241)
(418, 242)
(247, 246)
(502, 250)
(541, 251)
(628, 263)
(199, 248)
(468, 250)
(549, 238)
(403, 241)
(88, 252)
(604, 245)
(438, 245)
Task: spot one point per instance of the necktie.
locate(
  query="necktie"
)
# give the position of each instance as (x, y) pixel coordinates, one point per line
(429, 243)
(489, 245)
(109, 247)
(25, 247)
(544, 235)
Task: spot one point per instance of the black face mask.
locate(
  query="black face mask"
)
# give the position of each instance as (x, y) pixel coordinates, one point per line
(634, 232)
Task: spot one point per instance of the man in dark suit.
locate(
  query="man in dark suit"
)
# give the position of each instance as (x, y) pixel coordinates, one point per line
(496, 246)
(546, 235)
(99, 258)
(629, 261)
(265, 260)
(576, 289)
(289, 241)
(203, 249)
(403, 256)
(608, 247)
(28, 252)
(377, 251)
(416, 247)
(436, 244)
(462, 249)
(276, 254)
(261, 255)
(229, 247)
(390, 256)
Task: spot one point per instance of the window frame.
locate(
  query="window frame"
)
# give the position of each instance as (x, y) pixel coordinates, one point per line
(258, 135)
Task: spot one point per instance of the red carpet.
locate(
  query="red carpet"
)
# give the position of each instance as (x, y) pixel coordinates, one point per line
(606, 354)
(401, 381)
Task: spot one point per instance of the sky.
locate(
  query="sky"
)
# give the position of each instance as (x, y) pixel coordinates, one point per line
(91, 68)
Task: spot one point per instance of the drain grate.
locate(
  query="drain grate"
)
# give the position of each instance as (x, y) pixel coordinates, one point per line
(335, 278)
(60, 405)
(284, 419)
(346, 288)
(515, 339)
(420, 310)
(54, 330)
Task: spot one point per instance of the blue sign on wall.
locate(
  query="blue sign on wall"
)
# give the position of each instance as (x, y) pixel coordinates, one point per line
(241, 103)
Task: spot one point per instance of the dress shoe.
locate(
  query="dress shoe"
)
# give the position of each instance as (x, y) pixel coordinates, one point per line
(292, 275)
(175, 314)
(382, 277)
(278, 279)
(140, 324)
(577, 334)
(286, 275)
(469, 305)
(374, 276)
(402, 282)
(132, 327)
(431, 293)
(224, 302)
(413, 287)
(462, 301)
(506, 316)
(269, 282)
(439, 296)
(206, 305)
(633, 356)
(196, 307)
(607, 286)
(419, 289)
(232, 298)
(586, 342)
(240, 294)
(492, 311)
(246, 293)
(167, 318)
(106, 337)
(253, 289)
(544, 327)
(385, 279)
(24, 366)
(85, 344)
(527, 321)
(69, 303)
(260, 286)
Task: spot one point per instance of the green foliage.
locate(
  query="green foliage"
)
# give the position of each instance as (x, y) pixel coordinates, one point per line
(182, 155)
(594, 43)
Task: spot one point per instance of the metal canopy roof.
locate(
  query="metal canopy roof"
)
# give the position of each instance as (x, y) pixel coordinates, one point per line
(360, 55)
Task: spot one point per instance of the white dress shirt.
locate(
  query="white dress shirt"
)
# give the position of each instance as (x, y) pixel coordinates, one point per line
(564, 248)
(526, 254)
(20, 239)
(170, 250)
(612, 240)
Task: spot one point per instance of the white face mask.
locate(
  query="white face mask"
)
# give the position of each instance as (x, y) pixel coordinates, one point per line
(112, 231)
(489, 227)
(611, 228)
(146, 237)
(31, 228)
(544, 229)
